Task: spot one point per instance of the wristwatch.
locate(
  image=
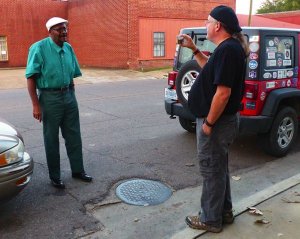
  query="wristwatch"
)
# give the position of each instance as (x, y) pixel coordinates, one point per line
(196, 52)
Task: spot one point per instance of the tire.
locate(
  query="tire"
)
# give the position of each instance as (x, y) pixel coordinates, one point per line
(185, 79)
(278, 141)
(188, 125)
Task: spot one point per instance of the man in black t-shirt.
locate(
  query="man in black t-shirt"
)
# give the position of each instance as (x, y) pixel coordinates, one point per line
(215, 100)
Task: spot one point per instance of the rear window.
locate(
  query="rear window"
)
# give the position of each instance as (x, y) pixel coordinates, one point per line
(279, 59)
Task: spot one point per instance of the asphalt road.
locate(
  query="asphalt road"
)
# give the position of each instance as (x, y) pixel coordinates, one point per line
(126, 134)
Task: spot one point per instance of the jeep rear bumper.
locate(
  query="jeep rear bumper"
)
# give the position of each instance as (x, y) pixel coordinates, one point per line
(248, 124)
(174, 108)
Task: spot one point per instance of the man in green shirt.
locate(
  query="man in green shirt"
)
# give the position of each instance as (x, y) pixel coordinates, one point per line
(51, 67)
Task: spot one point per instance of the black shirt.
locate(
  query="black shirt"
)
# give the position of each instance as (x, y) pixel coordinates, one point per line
(224, 67)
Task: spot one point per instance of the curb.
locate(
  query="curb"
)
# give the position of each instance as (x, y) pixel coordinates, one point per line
(243, 205)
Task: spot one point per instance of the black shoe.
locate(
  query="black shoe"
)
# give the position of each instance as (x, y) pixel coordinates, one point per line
(228, 217)
(83, 176)
(58, 183)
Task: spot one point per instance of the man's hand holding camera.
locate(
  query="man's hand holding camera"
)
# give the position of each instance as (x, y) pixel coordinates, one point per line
(186, 41)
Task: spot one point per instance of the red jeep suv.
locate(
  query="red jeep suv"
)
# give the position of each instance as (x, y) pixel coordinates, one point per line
(271, 101)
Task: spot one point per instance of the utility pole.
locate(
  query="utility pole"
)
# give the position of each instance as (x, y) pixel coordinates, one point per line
(250, 14)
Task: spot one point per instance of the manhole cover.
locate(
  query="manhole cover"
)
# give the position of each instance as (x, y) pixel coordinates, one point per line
(143, 192)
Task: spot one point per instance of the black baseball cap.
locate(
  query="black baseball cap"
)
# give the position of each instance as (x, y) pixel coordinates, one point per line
(227, 16)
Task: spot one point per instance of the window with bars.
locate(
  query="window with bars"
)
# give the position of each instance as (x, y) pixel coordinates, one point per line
(3, 48)
(159, 44)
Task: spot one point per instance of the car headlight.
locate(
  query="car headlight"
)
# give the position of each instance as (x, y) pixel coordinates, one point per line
(12, 154)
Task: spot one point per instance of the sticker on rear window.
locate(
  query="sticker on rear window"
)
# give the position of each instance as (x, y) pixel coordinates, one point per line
(253, 56)
(254, 46)
(271, 49)
(294, 82)
(287, 54)
(267, 75)
(271, 55)
(271, 62)
(252, 74)
(271, 43)
(253, 64)
(287, 63)
(281, 74)
(290, 73)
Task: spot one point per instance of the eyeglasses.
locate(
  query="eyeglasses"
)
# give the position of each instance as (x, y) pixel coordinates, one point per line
(61, 29)
(210, 21)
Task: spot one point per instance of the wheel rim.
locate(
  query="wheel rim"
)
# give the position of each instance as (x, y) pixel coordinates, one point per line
(187, 81)
(285, 132)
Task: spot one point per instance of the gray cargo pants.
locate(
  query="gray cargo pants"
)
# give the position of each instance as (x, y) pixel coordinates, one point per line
(213, 161)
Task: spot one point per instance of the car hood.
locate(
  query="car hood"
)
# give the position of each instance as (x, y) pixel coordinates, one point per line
(8, 136)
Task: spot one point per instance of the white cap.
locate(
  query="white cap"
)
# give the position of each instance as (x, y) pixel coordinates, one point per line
(54, 21)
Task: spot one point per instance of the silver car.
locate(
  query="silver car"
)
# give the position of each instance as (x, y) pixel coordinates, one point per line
(16, 166)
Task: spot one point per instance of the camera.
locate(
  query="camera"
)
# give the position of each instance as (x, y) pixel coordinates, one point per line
(180, 39)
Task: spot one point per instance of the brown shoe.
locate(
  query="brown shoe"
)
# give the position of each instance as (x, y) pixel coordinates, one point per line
(195, 223)
(227, 217)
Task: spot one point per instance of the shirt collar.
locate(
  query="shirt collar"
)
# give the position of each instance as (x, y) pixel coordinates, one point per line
(55, 46)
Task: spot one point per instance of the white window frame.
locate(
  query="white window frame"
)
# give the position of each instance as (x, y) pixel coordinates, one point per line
(3, 48)
(159, 44)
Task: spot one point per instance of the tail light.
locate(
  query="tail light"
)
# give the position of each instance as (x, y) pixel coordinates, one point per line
(172, 78)
(252, 104)
(251, 91)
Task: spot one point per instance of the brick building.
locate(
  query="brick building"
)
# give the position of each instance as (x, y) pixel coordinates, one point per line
(22, 23)
(104, 33)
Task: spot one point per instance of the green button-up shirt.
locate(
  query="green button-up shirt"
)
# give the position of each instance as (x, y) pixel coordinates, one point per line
(53, 66)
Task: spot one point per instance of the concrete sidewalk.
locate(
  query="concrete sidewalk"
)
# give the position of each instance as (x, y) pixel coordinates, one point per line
(15, 78)
(281, 214)
(280, 205)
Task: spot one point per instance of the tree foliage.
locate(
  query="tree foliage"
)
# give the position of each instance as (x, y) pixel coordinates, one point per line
(279, 6)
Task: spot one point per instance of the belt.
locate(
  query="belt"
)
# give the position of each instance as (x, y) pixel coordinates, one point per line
(61, 89)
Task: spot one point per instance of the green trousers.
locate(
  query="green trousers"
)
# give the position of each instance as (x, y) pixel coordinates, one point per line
(60, 110)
